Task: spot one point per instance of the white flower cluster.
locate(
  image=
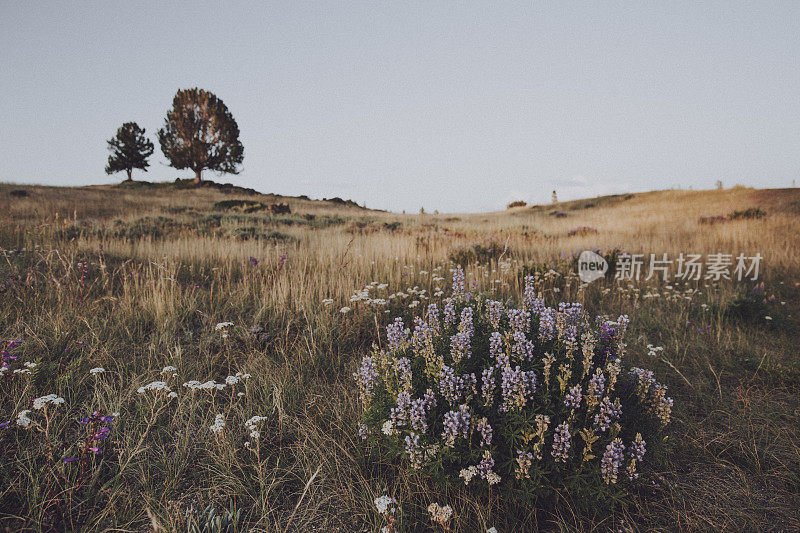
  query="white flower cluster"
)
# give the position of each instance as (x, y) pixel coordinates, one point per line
(213, 385)
(223, 326)
(158, 386)
(97, 370)
(169, 370)
(252, 426)
(440, 514)
(27, 370)
(385, 505)
(652, 351)
(42, 401)
(22, 419)
(218, 425)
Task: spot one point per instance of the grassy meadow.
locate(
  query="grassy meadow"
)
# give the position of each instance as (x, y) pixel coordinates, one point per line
(133, 279)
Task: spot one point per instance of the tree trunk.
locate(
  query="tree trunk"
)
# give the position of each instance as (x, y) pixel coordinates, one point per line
(129, 174)
(197, 178)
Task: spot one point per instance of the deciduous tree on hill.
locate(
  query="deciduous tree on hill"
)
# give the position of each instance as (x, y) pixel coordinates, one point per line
(200, 133)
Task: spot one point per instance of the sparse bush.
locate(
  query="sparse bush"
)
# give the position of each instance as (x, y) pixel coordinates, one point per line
(480, 253)
(581, 231)
(392, 226)
(243, 206)
(259, 233)
(749, 213)
(558, 214)
(517, 203)
(713, 219)
(19, 193)
(529, 400)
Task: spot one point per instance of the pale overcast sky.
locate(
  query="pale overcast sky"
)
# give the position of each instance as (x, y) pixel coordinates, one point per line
(456, 106)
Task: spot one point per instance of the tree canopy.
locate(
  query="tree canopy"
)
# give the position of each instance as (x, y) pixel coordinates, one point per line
(129, 149)
(200, 133)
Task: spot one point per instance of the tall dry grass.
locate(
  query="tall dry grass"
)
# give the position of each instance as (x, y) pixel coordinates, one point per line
(147, 302)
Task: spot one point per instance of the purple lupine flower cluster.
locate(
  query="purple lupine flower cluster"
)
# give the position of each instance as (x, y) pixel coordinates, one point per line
(488, 385)
(547, 324)
(486, 465)
(99, 429)
(456, 388)
(422, 338)
(416, 415)
(430, 399)
(585, 402)
(496, 349)
(449, 312)
(530, 301)
(517, 386)
(396, 336)
(522, 347)
(519, 320)
(524, 462)
(597, 385)
(636, 453)
(465, 326)
(366, 376)
(460, 343)
(456, 424)
(415, 451)
(6, 357)
(653, 394)
(433, 317)
(404, 373)
(638, 448)
(459, 289)
(568, 323)
(485, 431)
(574, 397)
(612, 460)
(460, 347)
(608, 414)
(661, 404)
(399, 415)
(561, 442)
(495, 310)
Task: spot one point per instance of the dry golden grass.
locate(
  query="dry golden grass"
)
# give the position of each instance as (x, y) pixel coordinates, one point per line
(150, 300)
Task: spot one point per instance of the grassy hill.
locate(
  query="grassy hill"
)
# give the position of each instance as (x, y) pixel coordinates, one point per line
(136, 278)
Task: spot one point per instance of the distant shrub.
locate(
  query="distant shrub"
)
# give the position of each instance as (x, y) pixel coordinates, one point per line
(518, 203)
(558, 214)
(243, 206)
(480, 253)
(713, 219)
(392, 226)
(527, 400)
(750, 213)
(259, 233)
(745, 214)
(19, 193)
(581, 231)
